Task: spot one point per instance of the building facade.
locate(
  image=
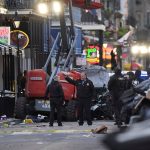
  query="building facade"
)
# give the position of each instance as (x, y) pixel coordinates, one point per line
(139, 18)
(36, 52)
(39, 29)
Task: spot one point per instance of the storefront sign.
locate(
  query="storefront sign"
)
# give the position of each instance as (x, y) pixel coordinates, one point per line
(5, 35)
(92, 54)
(19, 37)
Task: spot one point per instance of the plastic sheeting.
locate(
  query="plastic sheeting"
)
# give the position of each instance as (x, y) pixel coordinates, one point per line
(97, 74)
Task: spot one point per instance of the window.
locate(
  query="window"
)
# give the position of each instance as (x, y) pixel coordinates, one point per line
(107, 4)
(148, 18)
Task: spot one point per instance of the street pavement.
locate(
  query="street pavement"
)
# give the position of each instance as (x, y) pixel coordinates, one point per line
(39, 136)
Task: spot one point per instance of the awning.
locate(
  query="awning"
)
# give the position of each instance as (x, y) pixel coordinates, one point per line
(125, 37)
(3, 10)
(133, 66)
(7, 50)
(91, 26)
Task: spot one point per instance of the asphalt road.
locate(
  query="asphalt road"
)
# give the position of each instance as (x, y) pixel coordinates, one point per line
(42, 137)
(59, 141)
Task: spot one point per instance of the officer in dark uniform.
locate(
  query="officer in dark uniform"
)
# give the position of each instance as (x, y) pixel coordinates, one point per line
(113, 60)
(138, 76)
(85, 90)
(116, 89)
(56, 100)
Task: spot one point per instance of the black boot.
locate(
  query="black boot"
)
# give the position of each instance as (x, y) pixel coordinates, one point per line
(59, 124)
(50, 124)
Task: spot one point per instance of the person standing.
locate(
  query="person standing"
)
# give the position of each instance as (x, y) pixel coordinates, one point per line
(85, 91)
(56, 100)
(138, 76)
(116, 88)
(113, 60)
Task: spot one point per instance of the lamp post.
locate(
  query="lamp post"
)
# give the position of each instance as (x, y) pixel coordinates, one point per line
(101, 47)
(44, 9)
(16, 24)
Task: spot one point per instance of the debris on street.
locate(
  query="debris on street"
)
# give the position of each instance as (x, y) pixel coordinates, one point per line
(100, 130)
(28, 121)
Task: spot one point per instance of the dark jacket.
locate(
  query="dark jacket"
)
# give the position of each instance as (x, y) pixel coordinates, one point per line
(115, 84)
(85, 89)
(55, 90)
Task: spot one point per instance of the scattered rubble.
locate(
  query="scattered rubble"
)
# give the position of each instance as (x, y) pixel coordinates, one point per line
(100, 130)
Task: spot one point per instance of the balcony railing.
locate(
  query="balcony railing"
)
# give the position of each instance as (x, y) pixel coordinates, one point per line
(24, 4)
(19, 4)
(2, 3)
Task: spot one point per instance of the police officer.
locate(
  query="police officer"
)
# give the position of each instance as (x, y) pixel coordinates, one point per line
(138, 76)
(56, 100)
(85, 90)
(113, 60)
(116, 90)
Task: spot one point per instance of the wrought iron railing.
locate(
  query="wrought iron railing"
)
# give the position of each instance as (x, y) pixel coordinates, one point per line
(19, 4)
(2, 3)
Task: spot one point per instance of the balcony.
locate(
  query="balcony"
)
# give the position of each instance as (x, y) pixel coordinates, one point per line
(26, 7)
(2, 3)
(19, 4)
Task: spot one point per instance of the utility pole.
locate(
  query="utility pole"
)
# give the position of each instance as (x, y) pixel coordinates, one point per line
(101, 47)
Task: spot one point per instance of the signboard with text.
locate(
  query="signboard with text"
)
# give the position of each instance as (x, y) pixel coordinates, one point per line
(20, 38)
(5, 35)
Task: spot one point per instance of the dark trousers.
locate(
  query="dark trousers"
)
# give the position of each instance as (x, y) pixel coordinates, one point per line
(55, 104)
(84, 105)
(117, 109)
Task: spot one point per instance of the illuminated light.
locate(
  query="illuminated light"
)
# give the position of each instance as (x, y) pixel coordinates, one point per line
(17, 24)
(43, 8)
(56, 7)
(105, 45)
(148, 49)
(3, 10)
(143, 49)
(5, 35)
(135, 49)
(115, 51)
(86, 10)
(92, 54)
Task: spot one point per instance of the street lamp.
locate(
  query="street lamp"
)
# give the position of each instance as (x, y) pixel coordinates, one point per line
(43, 8)
(46, 8)
(56, 7)
(16, 24)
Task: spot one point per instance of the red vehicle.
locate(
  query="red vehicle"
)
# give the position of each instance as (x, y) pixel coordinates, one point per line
(34, 100)
(37, 80)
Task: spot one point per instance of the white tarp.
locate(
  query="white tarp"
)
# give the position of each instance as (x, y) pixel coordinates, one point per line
(98, 75)
(125, 37)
